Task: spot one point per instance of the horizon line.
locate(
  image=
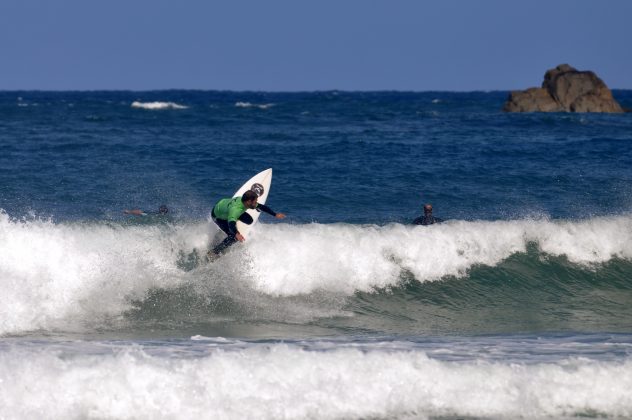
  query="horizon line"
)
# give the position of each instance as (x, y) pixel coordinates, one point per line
(274, 91)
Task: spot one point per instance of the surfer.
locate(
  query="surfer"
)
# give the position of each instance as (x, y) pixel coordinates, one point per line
(138, 212)
(226, 213)
(427, 218)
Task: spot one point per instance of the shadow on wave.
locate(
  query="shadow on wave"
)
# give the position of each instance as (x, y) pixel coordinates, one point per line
(528, 292)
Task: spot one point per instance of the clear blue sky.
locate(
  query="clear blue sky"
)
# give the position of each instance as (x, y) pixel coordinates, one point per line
(293, 45)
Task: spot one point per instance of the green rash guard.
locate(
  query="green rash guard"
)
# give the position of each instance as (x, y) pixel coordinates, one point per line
(229, 209)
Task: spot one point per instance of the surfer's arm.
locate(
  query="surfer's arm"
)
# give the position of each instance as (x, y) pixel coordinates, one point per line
(235, 213)
(232, 227)
(135, 212)
(266, 209)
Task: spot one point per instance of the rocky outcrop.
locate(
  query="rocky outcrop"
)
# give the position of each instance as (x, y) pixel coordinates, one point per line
(565, 89)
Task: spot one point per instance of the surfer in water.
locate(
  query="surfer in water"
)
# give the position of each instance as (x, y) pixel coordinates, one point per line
(226, 213)
(162, 210)
(427, 218)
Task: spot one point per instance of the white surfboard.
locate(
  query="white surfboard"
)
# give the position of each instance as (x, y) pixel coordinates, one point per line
(260, 184)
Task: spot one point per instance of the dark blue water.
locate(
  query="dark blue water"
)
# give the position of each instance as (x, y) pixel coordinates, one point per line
(530, 277)
(337, 156)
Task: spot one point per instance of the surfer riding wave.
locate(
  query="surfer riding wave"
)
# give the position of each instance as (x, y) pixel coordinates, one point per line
(228, 211)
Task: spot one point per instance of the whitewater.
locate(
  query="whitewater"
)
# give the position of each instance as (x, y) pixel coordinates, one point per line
(235, 380)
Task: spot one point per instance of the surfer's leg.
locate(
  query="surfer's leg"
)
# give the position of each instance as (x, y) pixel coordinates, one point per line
(230, 239)
(223, 225)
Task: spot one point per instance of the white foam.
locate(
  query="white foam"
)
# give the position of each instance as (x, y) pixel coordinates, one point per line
(251, 105)
(283, 381)
(51, 272)
(157, 105)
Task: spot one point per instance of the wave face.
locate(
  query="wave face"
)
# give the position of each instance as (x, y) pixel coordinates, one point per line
(481, 277)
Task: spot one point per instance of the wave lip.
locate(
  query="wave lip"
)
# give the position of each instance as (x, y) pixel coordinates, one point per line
(157, 105)
(300, 259)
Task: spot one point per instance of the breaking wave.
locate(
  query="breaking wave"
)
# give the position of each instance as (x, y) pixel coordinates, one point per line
(54, 274)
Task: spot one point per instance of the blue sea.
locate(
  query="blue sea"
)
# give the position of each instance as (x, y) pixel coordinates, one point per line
(519, 305)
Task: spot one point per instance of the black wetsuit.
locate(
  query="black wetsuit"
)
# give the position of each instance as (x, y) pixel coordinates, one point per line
(427, 219)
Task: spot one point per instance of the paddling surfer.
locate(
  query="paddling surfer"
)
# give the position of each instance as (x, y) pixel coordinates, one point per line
(162, 210)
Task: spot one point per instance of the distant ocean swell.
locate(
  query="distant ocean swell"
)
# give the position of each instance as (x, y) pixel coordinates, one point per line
(54, 273)
(157, 105)
(283, 380)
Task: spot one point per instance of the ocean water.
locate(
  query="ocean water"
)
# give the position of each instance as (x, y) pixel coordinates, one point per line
(518, 306)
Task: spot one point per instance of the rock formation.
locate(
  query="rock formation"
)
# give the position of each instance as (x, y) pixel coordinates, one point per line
(565, 89)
